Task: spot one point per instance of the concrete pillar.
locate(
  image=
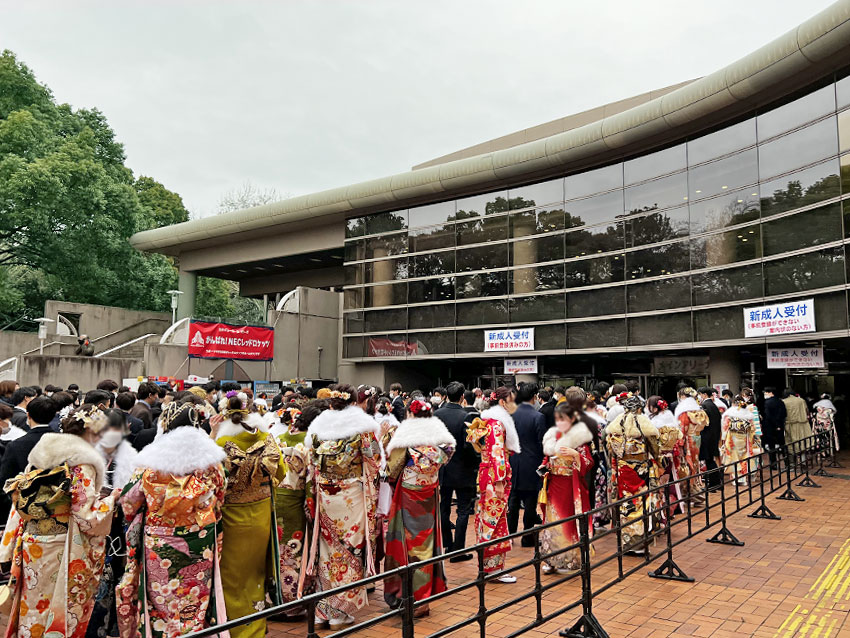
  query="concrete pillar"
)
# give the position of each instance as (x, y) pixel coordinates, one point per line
(187, 284)
(525, 252)
(724, 367)
(382, 271)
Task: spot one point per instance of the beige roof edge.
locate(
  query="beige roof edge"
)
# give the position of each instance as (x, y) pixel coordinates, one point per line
(818, 46)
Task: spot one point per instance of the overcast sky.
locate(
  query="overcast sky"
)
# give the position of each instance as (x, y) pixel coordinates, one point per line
(302, 96)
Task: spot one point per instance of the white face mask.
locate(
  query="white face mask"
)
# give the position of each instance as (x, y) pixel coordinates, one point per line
(436, 400)
(111, 438)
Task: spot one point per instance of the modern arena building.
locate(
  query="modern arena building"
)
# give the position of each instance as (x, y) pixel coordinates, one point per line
(623, 242)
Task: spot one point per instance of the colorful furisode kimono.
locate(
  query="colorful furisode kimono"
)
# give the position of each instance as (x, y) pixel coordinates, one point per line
(671, 445)
(632, 442)
(736, 439)
(824, 421)
(494, 436)
(599, 484)
(250, 560)
(419, 448)
(55, 538)
(172, 585)
(565, 493)
(345, 459)
(692, 420)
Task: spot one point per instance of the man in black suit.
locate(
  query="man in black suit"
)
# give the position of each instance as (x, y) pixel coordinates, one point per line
(468, 404)
(125, 402)
(709, 447)
(460, 475)
(20, 400)
(773, 424)
(549, 403)
(146, 396)
(525, 482)
(397, 404)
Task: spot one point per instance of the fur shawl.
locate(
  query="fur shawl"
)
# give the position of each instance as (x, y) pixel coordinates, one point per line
(664, 418)
(420, 432)
(335, 425)
(125, 463)
(633, 426)
(252, 420)
(181, 452)
(56, 448)
(688, 404)
(738, 413)
(574, 438)
(498, 413)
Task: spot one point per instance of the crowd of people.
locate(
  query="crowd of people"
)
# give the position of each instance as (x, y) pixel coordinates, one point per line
(158, 513)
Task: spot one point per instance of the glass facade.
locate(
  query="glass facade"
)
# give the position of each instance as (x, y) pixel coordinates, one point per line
(666, 248)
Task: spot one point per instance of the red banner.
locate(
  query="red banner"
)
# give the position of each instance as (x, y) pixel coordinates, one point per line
(225, 341)
(383, 347)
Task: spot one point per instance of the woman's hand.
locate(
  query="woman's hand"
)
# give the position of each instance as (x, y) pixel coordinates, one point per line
(215, 422)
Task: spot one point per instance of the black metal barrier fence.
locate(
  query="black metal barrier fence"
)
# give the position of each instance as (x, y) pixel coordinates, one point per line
(732, 492)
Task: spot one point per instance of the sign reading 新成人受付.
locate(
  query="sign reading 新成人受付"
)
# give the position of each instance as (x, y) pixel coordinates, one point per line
(788, 317)
(794, 357)
(521, 366)
(509, 339)
(209, 340)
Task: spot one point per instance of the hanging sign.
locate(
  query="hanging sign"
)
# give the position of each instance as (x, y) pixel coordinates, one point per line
(521, 366)
(791, 357)
(385, 347)
(788, 317)
(509, 339)
(225, 341)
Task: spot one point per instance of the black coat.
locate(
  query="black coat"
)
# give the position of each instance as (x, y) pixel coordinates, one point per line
(19, 418)
(548, 412)
(462, 468)
(530, 427)
(144, 438)
(15, 457)
(710, 440)
(398, 409)
(773, 421)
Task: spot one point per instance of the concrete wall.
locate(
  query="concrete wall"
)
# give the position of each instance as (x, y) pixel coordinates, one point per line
(84, 371)
(13, 343)
(724, 367)
(97, 321)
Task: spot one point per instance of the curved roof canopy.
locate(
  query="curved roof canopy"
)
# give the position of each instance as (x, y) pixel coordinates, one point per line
(803, 55)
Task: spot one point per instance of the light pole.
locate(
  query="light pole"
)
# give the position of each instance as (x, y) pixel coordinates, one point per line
(42, 332)
(175, 294)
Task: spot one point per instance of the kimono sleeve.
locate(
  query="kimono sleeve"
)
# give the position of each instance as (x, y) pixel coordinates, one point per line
(585, 460)
(496, 451)
(10, 535)
(92, 512)
(132, 497)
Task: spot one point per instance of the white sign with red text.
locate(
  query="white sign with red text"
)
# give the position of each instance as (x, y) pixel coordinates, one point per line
(793, 357)
(787, 317)
(527, 365)
(509, 339)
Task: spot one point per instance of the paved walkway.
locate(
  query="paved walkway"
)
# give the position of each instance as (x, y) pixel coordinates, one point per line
(791, 578)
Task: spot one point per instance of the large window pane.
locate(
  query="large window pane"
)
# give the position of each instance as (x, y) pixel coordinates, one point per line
(353, 298)
(537, 308)
(670, 328)
(597, 334)
(386, 222)
(490, 312)
(431, 316)
(384, 246)
(354, 250)
(596, 303)
(589, 272)
(726, 210)
(719, 323)
(353, 348)
(442, 263)
(831, 311)
(470, 340)
(594, 210)
(536, 194)
(658, 227)
(377, 320)
(353, 274)
(724, 174)
(353, 322)
(550, 337)
(442, 342)
(540, 220)
(595, 181)
(598, 239)
(660, 260)
(797, 149)
(844, 130)
(818, 269)
(386, 270)
(729, 284)
(355, 227)
(487, 284)
(486, 204)
(540, 249)
(660, 295)
(842, 90)
(483, 257)
(845, 173)
(432, 214)
(535, 278)
(722, 142)
(726, 248)
(660, 193)
(796, 113)
(802, 230)
(386, 295)
(655, 164)
(438, 289)
(802, 188)
(482, 229)
(432, 238)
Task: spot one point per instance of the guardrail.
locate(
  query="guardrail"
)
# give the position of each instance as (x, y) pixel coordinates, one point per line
(703, 511)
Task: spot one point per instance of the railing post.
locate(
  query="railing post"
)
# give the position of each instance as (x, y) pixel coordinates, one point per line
(538, 585)
(482, 601)
(763, 511)
(669, 570)
(823, 440)
(646, 519)
(587, 626)
(311, 620)
(724, 536)
(833, 461)
(789, 494)
(407, 602)
(807, 481)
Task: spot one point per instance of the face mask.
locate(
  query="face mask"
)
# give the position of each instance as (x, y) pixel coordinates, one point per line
(112, 438)
(435, 400)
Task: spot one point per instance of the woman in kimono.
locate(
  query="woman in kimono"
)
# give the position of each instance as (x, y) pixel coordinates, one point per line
(171, 585)
(250, 562)
(692, 420)
(56, 533)
(670, 444)
(345, 458)
(569, 459)
(494, 437)
(824, 421)
(632, 442)
(736, 438)
(419, 448)
(597, 475)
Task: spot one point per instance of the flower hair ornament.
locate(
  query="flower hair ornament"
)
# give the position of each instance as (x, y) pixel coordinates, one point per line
(494, 397)
(688, 392)
(367, 390)
(336, 394)
(92, 419)
(418, 407)
(661, 405)
(623, 396)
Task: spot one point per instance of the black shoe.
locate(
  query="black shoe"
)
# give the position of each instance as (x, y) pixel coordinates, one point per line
(461, 559)
(527, 541)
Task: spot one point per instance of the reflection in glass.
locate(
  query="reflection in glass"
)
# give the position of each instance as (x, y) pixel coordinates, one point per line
(353, 322)
(660, 193)
(534, 278)
(492, 311)
(726, 248)
(470, 340)
(597, 334)
(663, 294)
(377, 320)
(480, 205)
(831, 311)
(595, 181)
(386, 295)
(354, 250)
(722, 142)
(802, 230)
(845, 173)
(353, 348)
(536, 194)
(442, 342)
(596, 303)
(589, 272)
(353, 274)
(386, 222)
(432, 238)
(669, 328)
(534, 222)
(796, 113)
(597, 239)
(386, 270)
(797, 149)
(844, 130)
(431, 316)
(654, 164)
(818, 269)
(802, 188)
(550, 337)
(355, 227)
(437, 289)
(537, 308)
(726, 210)
(660, 260)
(594, 210)
(532, 251)
(442, 263)
(482, 258)
(431, 214)
(723, 175)
(487, 284)
(719, 323)
(657, 227)
(482, 229)
(729, 284)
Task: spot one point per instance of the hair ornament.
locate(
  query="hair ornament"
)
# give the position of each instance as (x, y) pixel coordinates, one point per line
(93, 419)
(336, 394)
(417, 407)
(662, 405)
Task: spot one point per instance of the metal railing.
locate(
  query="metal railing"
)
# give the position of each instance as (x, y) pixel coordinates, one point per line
(727, 491)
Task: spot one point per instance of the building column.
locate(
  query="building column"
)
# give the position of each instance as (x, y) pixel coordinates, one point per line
(187, 283)
(724, 367)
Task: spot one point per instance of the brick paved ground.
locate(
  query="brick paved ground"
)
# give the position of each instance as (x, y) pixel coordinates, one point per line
(791, 578)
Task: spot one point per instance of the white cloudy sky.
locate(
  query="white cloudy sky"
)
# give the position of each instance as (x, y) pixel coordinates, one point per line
(306, 95)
